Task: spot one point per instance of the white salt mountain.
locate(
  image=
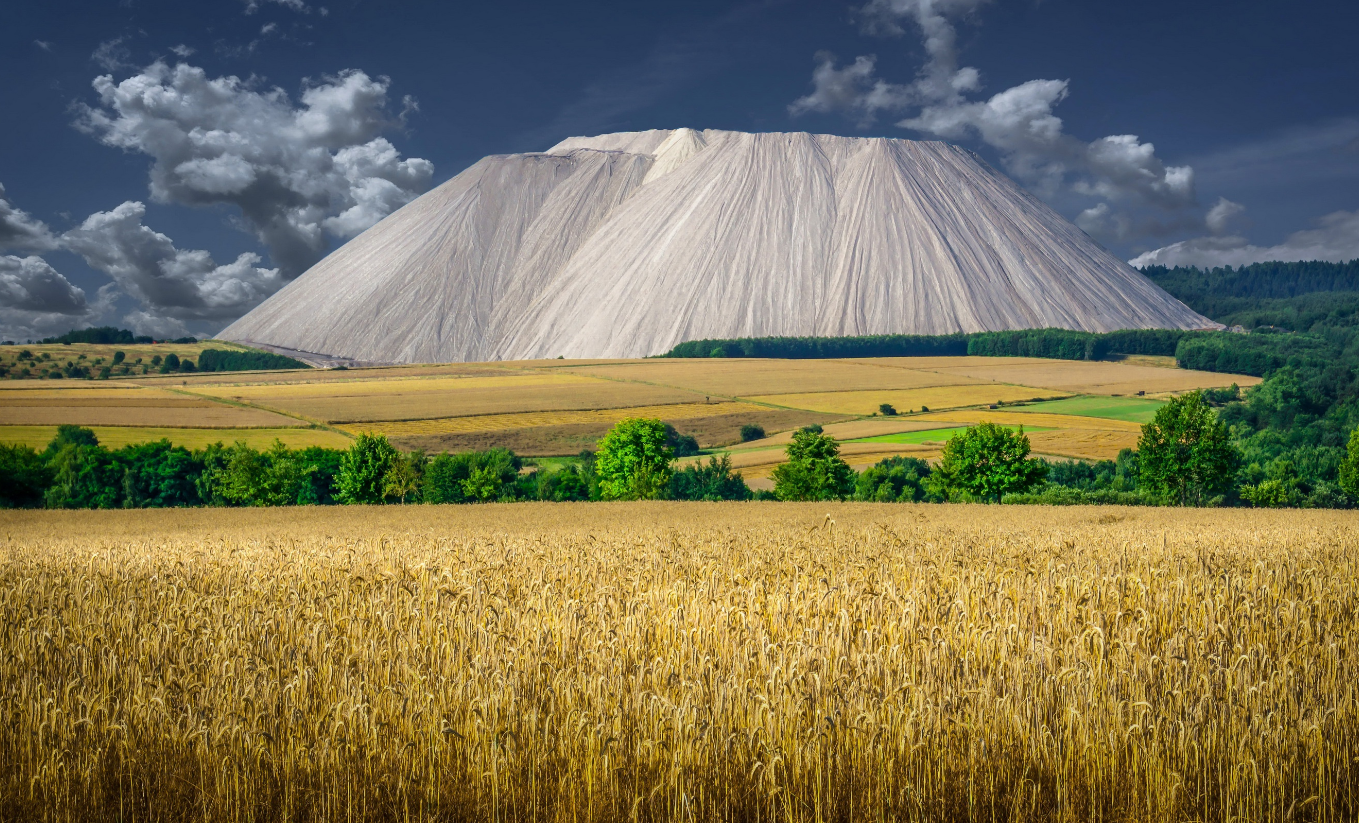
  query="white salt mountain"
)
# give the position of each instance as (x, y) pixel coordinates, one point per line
(624, 245)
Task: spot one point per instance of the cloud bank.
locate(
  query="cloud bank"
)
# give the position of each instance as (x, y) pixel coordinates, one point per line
(1336, 239)
(297, 173)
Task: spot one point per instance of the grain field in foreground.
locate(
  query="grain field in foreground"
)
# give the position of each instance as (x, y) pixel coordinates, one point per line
(679, 662)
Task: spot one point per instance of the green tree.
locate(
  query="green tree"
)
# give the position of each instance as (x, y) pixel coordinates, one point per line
(363, 468)
(84, 477)
(402, 479)
(1349, 467)
(751, 431)
(986, 462)
(24, 476)
(68, 435)
(1184, 456)
(158, 475)
(815, 470)
(633, 462)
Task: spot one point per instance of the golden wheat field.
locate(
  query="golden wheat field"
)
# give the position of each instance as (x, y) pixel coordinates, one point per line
(679, 662)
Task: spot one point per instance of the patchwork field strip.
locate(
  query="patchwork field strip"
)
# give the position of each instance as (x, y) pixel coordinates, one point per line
(445, 397)
(117, 436)
(127, 406)
(501, 422)
(940, 397)
(750, 377)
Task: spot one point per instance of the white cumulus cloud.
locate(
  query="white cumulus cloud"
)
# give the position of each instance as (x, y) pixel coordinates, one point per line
(20, 230)
(297, 172)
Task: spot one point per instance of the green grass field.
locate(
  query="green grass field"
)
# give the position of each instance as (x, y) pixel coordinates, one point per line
(1131, 409)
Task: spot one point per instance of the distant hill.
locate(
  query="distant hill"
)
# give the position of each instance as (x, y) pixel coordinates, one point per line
(1304, 296)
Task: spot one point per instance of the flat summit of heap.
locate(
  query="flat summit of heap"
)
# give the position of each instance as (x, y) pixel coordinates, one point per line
(624, 245)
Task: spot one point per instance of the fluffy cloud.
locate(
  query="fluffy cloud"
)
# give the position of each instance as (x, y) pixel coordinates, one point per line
(18, 230)
(30, 284)
(1222, 213)
(1019, 122)
(171, 283)
(1336, 239)
(37, 301)
(853, 90)
(296, 172)
(112, 55)
(252, 6)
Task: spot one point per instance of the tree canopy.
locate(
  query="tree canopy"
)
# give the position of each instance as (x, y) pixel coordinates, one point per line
(815, 470)
(633, 462)
(1185, 454)
(986, 462)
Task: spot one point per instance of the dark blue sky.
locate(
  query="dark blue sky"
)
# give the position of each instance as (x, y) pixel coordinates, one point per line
(1261, 100)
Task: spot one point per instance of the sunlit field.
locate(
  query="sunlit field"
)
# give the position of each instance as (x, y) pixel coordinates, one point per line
(679, 662)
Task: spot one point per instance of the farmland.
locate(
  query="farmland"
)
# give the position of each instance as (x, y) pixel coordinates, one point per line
(666, 661)
(559, 407)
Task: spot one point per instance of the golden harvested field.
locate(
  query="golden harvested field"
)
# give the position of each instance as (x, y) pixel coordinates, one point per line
(660, 662)
(749, 377)
(1087, 438)
(114, 405)
(1096, 378)
(438, 397)
(943, 397)
(118, 436)
(499, 422)
(304, 376)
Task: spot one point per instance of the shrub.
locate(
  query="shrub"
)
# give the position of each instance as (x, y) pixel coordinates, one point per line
(752, 431)
(711, 481)
(893, 480)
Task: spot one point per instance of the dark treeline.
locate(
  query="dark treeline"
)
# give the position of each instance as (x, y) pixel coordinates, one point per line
(1051, 343)
(213, 360)
(76, 472)
(110, 336)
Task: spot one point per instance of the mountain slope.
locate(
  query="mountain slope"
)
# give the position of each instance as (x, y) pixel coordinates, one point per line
(624, 245)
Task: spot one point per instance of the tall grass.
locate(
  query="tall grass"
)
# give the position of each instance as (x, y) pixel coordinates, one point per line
(679, 662)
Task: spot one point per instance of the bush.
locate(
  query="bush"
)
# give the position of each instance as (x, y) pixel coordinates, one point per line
(681, 445)
(218, 360)
(24, 477)
(887, 410)
(711, 481)
(471, 477)
(752, 431)
(893, 480)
